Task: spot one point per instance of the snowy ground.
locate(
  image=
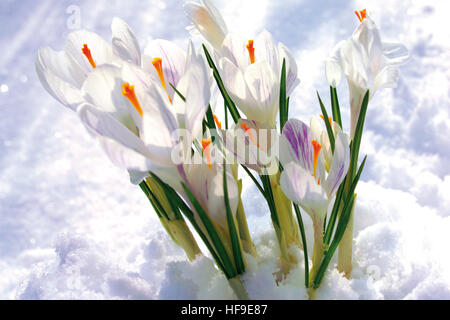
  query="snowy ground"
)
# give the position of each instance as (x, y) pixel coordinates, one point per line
(72, 226)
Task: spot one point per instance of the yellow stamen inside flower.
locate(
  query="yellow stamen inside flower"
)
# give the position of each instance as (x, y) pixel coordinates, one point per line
(218, 123)
(251, 51)
(362, 14)
(205, 146)
(87, 52)
(329, 120)
(316, 147)
(128, 92)
(157, 63)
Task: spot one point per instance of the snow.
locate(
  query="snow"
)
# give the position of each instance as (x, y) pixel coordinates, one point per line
(73, 227)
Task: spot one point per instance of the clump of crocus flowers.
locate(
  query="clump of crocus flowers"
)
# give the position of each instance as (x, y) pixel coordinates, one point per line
(152, 113)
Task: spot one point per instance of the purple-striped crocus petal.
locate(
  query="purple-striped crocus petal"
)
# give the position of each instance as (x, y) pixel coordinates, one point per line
(301, 187)
(296, 144)
(339, 164)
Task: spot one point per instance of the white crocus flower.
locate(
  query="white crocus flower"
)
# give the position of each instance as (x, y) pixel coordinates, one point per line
(366, 62)
(251, 72)
(304, 179)
(208, 21)
(253, 145)
(205, 180)
(62, 73)
(133, 117)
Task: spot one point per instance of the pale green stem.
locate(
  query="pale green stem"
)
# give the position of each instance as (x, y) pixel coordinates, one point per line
(238, 288)
(345, 252)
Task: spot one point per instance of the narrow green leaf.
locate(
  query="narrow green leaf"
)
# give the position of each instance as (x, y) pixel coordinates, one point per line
(305, 245)
(235, 243)
(226, 114)
(343, 221)
(178, 92)
(335, 106)
(210, 118)
(270, 199)
(146, 190)
(283, 103)
(229, 102)
(212, 232)
(327, 123)
(354, 150)
(334, 213)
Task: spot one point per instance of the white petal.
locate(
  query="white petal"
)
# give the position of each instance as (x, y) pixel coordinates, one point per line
(62, 91)
(387, 78)
(208, 21)
(101, 51)
(265, 90)
(296, 146)
(103, 88)
(339, 164)
(173, 62)
(265, 50)
(124, 43)
(292, 79)
(233, 48)
(299, 186)
(58, 63)
(395, 53)
(102, 124)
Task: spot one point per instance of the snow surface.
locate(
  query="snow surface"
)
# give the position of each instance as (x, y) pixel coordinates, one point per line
(73, 227)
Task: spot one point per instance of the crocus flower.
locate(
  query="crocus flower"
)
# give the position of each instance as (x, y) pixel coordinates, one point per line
(253, 144)
(251, 72)
(62, 73)
(133, 117)
(208, 21)
(366, 62)
(304, 179)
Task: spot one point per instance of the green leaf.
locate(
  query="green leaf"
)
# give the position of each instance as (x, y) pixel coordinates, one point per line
(212, 232)
(210, 118)
(283, 103)
(270, 199)
(305, 245)
(146, 190)
(334, 213)
(343, 221)
(178, 92)
(354, 150)
(230, 104)
(254, 180)
(327, 123)
(335, 106)
(235, 242)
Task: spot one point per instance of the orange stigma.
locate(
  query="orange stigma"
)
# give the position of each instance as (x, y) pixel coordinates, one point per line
(249, 133)
(218, 123)
(316, 147)
(128, 91)
(205, 146)
(87, 52)
(362, 14)
(157, 63)
(329, 120)
(251, 51)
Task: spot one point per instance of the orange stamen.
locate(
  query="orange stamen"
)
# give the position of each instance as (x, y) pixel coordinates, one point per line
(251, 51)
(218, 123)
(205, 146)
(249, 133)
(128, 92)
(316, 147)
(157, 63)
(87, 52)
(329, 120)
(362, 14)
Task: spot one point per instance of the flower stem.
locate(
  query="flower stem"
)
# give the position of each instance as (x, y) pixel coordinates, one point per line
(318, 248)
(238, 288)
(345, 252)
